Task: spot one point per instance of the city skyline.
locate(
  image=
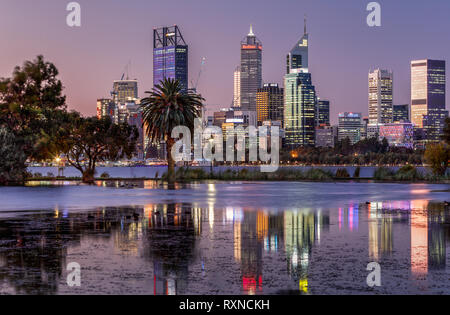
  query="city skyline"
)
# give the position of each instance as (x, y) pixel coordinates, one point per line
(90, 59)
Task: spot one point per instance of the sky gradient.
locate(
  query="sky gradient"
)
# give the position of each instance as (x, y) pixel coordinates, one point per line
(342, 47)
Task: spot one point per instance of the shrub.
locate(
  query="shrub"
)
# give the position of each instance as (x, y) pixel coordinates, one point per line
(105, 175)
(408, 172)
(342, 173)
(357, 172)
(383, 173)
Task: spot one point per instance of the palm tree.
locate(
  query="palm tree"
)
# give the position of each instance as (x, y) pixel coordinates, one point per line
(165, 108)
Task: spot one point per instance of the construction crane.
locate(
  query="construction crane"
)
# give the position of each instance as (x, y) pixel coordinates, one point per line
(202, 66)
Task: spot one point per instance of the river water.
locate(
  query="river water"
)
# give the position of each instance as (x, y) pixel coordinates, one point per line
(224, 238)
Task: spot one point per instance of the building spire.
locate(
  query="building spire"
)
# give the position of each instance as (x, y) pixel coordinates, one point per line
(251, 31)
(305, 25)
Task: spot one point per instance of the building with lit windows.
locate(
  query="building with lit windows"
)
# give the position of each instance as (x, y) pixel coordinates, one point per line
(428, 97)
(401, 113)
(350, 126)
(380, 97)
(106, 108)
(251, 71)
(398, 134)
(299, 109)
(322, 112)
(297, 57)
(170, 56)
(324, 136)
(270, 103)
(124, 91)
(237, 87)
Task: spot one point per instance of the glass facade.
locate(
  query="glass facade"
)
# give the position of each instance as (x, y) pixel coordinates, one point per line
(298, 56)
(323, 112)
(428, 97)
(380, 97)
(398, 134)
(170, 56)
(401, 113)
(299, 109)
(270, 103)
(350, 127)
(251, 71)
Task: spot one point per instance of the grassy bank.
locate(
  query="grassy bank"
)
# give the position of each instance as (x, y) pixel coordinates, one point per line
(404, 174)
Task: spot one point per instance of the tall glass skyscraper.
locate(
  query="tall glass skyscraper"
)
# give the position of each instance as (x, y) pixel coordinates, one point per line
(380, 97)
(170, 56)
(300, 97)
(322, 112)
(299, 109)
(428, 97)
(251, 71)
(298, 56)
(270, 103)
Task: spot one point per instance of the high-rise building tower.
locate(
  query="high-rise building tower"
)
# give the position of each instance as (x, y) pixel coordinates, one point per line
(428, 97)
(125, 91)
(170, 56)
(401, 113)
(251, 70)
(350, 126)
(237, 88)
(298, 56)
(270, 103)
(299, 109)
(322, 112)
(380, 97)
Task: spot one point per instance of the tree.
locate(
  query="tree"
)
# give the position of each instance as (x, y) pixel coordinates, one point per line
(165, 108)
(446, 136)
(437, 156)
(87, 141)
(30, 103)
(12, 159)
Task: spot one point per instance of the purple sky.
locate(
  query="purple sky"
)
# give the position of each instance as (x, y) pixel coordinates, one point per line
(113, 32)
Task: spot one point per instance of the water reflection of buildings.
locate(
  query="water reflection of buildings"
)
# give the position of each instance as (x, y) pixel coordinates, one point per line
(428, 234)
(170, 245)
(293, 231)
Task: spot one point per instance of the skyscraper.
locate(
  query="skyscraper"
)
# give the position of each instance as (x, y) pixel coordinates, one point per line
(380, 97)
(125, 91)
(401, 113)
(350, 127)
(300, 97)
(298, 56)
(170, 56)
(270, 103)
(237, 88)
(322, 112)
(299, 109)
(428, 97)
(251, 70)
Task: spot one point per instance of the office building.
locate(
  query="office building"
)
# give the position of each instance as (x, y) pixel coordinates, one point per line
(106, 108)
(237, 88)
(251, 71)
(124, 91)
(380, 97)
(322, 112)
(401, 113)
(428, 97)
(297, 57)
(299, 109)
(398, 134)
(170, 56)
(270, 103)
(350, 127)
(324, 136)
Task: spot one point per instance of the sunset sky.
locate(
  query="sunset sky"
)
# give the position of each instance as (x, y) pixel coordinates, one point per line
(113, 32)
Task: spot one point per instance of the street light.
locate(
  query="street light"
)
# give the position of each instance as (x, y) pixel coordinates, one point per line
(211, 142)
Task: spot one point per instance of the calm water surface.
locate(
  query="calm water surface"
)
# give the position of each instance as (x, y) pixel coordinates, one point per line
(224, 238)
